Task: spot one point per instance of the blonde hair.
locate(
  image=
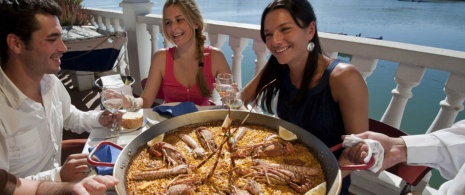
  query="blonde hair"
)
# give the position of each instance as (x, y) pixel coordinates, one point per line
(191, 12)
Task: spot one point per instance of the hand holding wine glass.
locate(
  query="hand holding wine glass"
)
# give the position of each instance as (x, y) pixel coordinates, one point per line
(234, 97)
(222, 84)
(112, 100)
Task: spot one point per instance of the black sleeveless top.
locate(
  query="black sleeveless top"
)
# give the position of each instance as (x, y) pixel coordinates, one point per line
(319, 114)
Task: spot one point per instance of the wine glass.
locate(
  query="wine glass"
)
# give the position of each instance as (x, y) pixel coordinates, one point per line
(222, 84)
(234, 97)
(112, 100)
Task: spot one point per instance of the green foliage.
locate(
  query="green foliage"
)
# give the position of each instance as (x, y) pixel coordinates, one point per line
(73, 13)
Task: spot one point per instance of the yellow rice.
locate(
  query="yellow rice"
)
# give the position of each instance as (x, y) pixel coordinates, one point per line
(142, 161)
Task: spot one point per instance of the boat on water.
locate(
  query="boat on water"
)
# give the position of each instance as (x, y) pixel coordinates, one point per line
(379, 38)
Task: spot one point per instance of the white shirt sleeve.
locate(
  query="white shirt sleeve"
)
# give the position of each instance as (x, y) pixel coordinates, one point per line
(49, 175)
(444, 151)
(74, 119)
(454, 186)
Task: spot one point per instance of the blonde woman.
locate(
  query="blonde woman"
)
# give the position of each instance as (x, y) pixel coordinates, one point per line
(186, 71)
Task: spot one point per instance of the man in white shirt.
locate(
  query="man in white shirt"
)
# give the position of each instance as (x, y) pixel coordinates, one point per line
(442, 150)
(35, 106)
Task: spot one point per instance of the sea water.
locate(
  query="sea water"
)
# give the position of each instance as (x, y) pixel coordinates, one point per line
(435, 24)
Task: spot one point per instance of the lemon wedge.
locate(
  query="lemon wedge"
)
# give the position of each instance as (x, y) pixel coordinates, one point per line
(317, 190)
(155, 140)
(286, 134)
(227, 122)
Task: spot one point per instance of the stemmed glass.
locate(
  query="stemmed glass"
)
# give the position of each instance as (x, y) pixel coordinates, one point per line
(223, 84)
(235, 97)
(112, 100)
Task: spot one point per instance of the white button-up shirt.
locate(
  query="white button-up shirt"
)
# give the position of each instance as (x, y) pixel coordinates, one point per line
(31, 134)
(443, 150)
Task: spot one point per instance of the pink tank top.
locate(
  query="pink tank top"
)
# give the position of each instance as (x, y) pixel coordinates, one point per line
(175, 92)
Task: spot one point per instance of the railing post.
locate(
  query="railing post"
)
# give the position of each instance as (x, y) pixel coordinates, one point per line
(452, 105)
(238, 45)
(260, 51)
(139, 49)
(216, 40)
(364, 65)
(407, 77)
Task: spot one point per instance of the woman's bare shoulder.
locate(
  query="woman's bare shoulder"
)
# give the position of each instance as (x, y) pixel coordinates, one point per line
(344, 69)
(217, 52)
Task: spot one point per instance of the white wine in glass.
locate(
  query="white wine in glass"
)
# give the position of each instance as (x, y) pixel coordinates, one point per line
(223, 84)
(235, 98)
(112, 100)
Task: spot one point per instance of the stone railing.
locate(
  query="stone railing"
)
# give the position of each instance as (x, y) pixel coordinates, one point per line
(144, 35)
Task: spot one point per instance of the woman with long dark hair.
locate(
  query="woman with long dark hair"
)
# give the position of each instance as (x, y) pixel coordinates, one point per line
(325, 96)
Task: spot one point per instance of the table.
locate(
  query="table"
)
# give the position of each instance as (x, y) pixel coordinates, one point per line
(103, 134)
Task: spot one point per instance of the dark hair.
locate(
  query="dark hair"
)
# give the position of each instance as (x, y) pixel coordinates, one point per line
(18, 17)
(302, 14)
(191, 12)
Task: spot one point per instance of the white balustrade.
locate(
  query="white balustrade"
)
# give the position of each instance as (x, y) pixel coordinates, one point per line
(238, 45)
(407, 77)
(261, 52)
(143, 30)
(452, 105)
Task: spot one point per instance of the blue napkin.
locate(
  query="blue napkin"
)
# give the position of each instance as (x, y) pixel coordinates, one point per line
(180, 109)
(105, 153)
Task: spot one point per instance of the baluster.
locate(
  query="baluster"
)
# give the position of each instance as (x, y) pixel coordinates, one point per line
(216, 40)
(108, 26)
(100, 24)
(364, 65)
(452, 105)
(407, 77)
(238, 45)
(154, 30)
(261, 52)
(93, 22)
(116, 25)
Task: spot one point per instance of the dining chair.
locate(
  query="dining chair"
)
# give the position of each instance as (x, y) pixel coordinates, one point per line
(71, 146)
(412, 175)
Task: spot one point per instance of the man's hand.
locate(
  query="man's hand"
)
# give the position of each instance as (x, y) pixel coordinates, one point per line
(75, 168)
(395, 150)
(106, 119)
(94, 185)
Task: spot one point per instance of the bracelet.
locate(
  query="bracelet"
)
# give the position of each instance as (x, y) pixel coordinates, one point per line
(134, 106)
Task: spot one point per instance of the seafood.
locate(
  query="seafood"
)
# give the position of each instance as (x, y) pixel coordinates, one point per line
(184, 186)
(170, 155)
(267, 149)
(206, 139)
(297, 181)
(196, 149)
(293, 168)
(151, 175)
(221, 172)
(253, 187)
(240, 133)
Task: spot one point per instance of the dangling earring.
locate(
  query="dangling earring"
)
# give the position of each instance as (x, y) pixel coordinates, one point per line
(310, 46)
